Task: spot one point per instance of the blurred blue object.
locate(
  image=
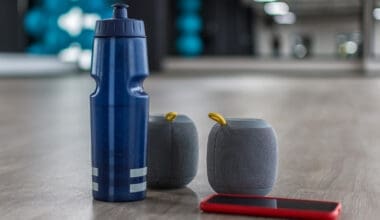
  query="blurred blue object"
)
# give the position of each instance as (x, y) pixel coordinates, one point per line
(37, 48)
(189, 23)
(55, 39)
(93, 6)
(35, 22)
(189, 45)
(189, 5)
(56, 7)
(85, 38)
(52, 22)
(41, 23)
(106, 13)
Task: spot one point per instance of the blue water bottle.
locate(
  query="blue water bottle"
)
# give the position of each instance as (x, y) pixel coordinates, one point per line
(119, 108)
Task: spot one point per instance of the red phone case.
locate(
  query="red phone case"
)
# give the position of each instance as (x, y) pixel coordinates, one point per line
(269, 212)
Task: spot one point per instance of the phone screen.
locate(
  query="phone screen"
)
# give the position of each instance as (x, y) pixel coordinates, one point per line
(274, 203)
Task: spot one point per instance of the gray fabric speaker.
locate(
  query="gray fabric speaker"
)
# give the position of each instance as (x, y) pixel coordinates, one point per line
(172, 152)
(242, 157)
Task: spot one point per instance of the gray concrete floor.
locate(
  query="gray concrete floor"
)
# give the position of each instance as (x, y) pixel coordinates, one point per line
(328, 131)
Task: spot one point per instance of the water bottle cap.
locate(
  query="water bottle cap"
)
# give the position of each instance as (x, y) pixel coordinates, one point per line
(120, 25)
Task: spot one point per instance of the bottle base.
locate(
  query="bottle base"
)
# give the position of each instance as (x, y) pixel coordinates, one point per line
(118, 200)
(130, 198)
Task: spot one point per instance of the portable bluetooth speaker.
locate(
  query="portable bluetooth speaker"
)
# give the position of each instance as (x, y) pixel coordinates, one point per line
(241, 156)
(172, 151)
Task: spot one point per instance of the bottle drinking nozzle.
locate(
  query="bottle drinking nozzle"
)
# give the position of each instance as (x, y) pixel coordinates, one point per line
(120, 10)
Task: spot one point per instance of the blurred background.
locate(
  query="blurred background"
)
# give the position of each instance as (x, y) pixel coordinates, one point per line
(302, 65)
(55, 36)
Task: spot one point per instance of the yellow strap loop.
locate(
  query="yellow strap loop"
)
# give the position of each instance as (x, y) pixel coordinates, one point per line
(171, 116)
(218, 118)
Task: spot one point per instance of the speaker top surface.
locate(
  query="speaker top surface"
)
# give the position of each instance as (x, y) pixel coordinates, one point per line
(247, 123)
(161, 119)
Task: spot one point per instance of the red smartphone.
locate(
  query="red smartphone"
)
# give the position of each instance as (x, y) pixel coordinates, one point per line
(271, 207)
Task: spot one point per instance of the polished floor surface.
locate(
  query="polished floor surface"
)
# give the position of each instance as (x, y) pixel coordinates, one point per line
(328, 131)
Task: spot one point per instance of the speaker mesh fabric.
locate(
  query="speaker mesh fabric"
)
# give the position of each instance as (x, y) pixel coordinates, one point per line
(172, 152)
(242, 157)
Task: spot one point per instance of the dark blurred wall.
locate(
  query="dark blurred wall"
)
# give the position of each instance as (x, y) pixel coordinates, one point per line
(228, 28)
(154, 14)
(12, 38)
(172, 32)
